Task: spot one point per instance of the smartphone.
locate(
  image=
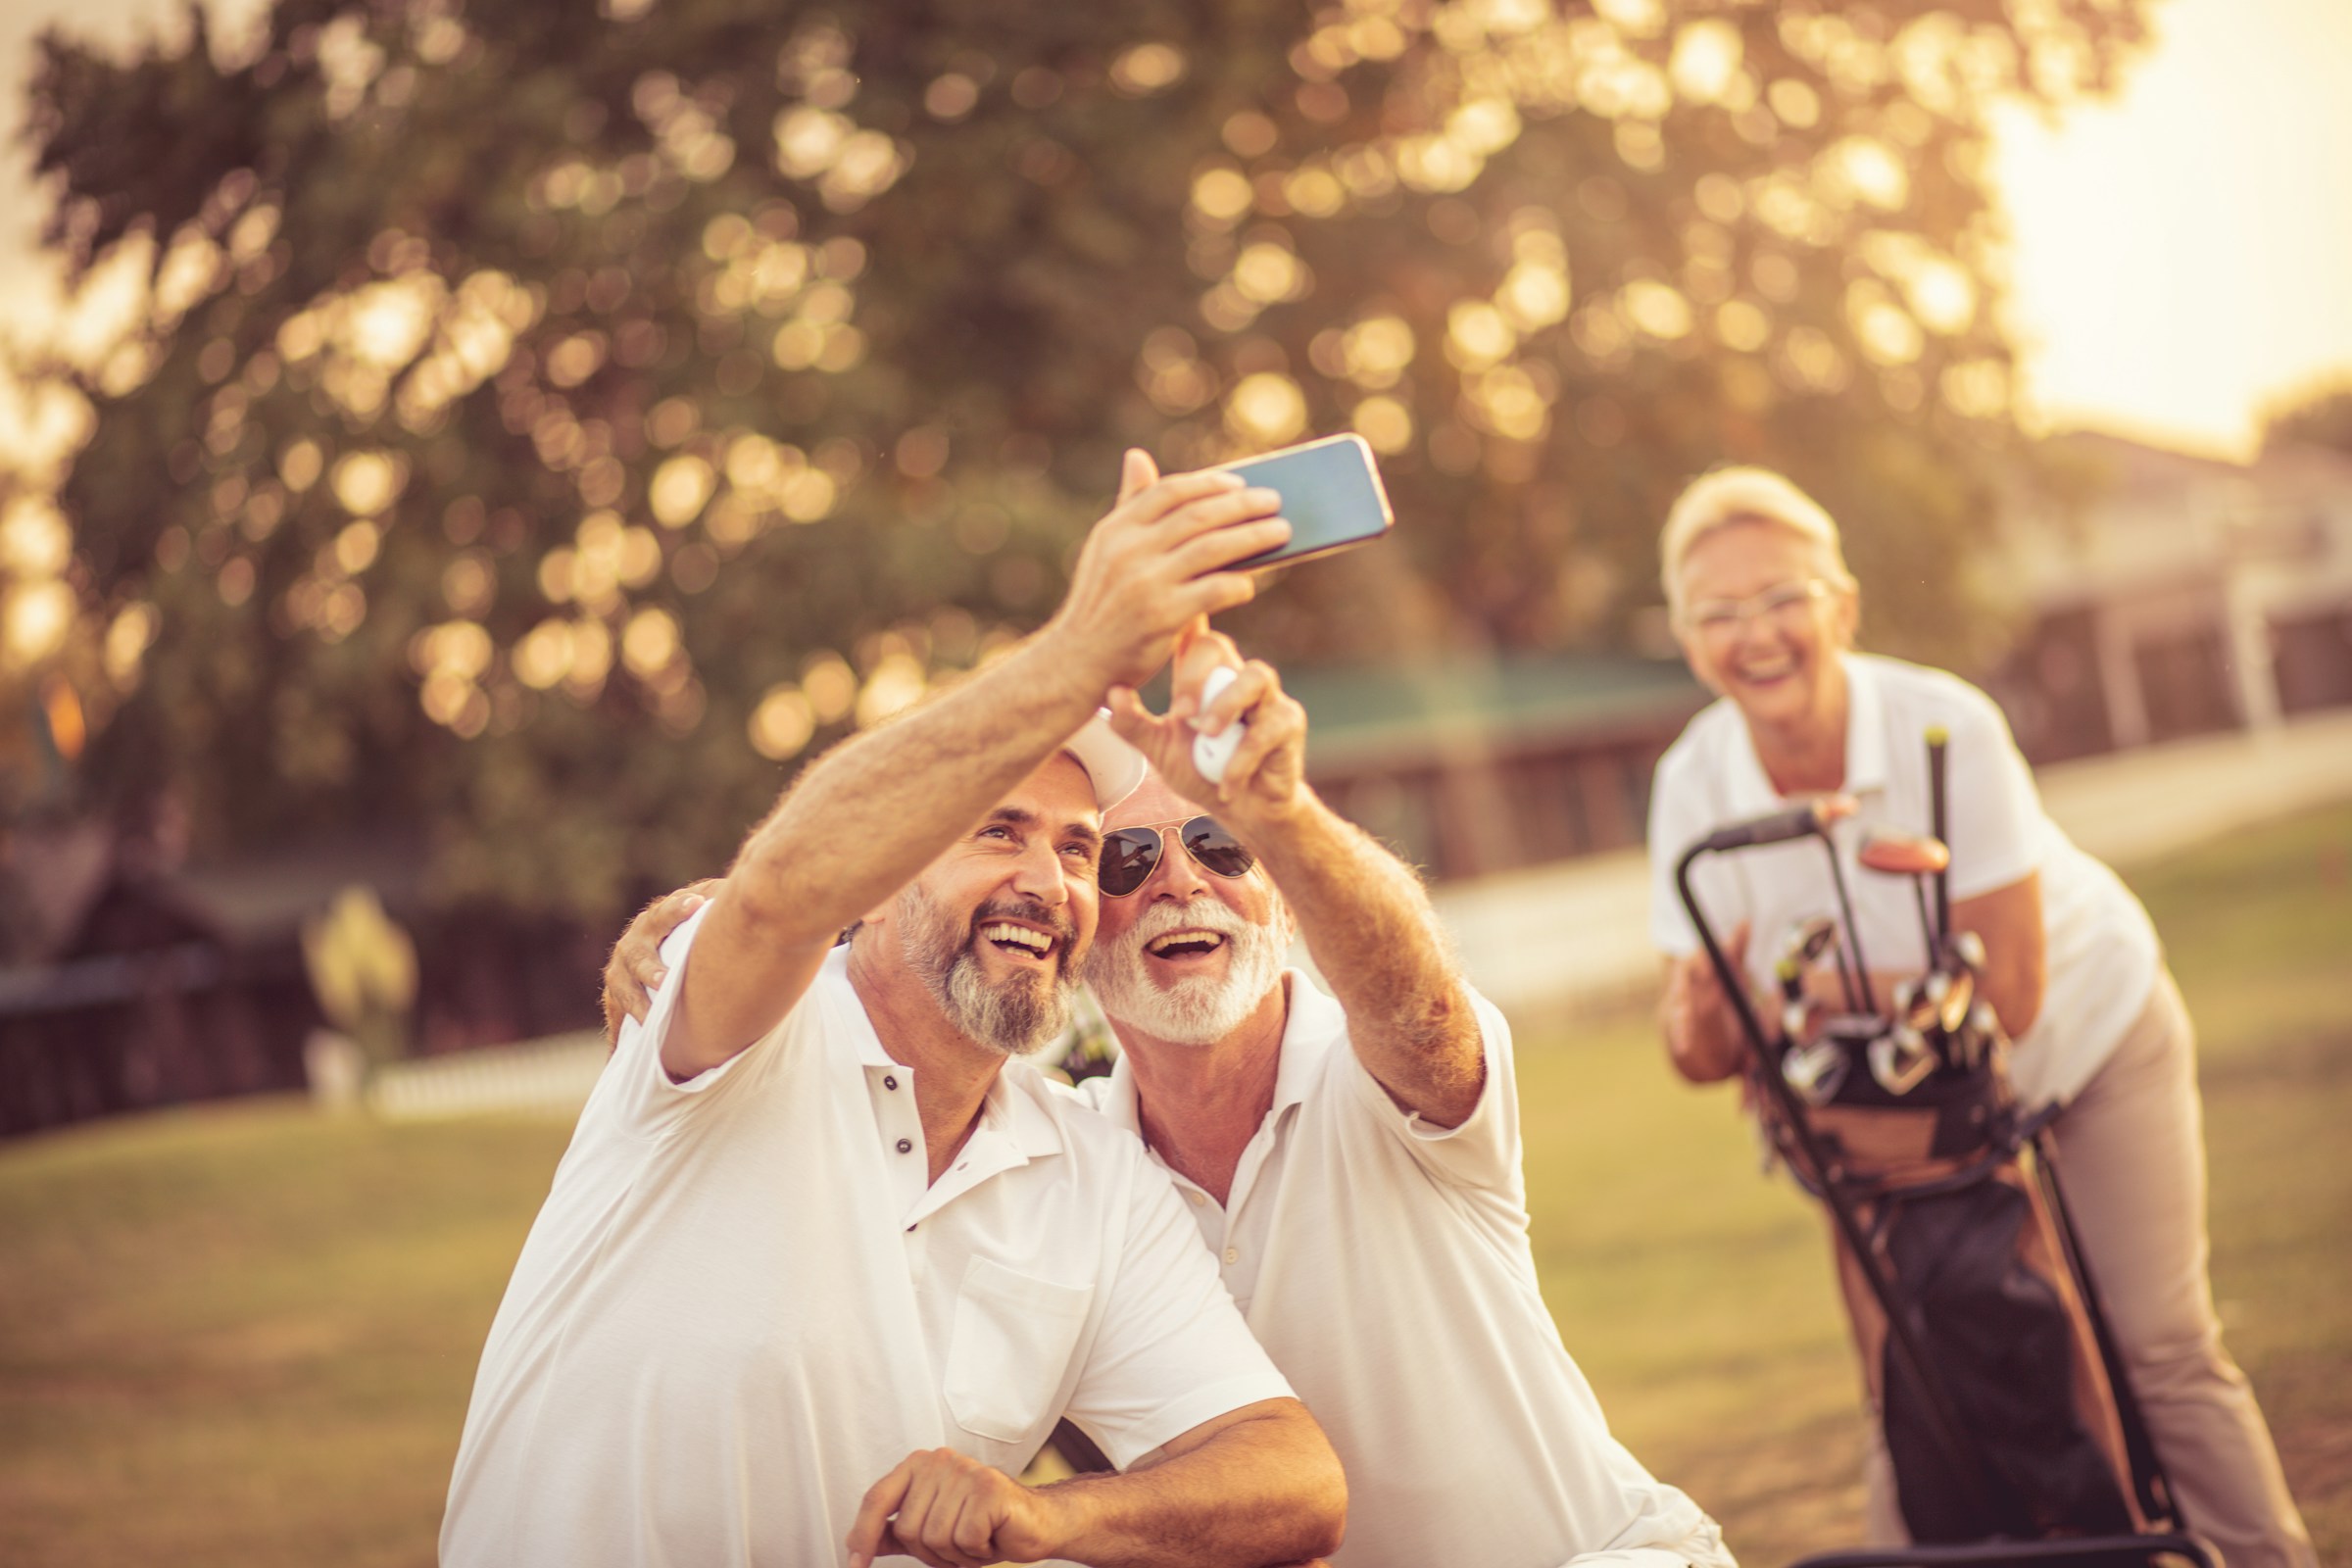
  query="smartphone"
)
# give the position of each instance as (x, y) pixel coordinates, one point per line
(1331, 495)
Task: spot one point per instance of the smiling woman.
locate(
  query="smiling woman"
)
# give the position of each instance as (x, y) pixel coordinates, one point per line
(1766, 613)
(1763, 605)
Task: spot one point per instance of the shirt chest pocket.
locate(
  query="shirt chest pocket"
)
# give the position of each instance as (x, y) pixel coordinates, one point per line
(1010, 1346)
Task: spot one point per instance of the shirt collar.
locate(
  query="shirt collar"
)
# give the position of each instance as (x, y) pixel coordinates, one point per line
(1015, 1112)
(1864, 726)
(1013, 1109)
(1315, 1023)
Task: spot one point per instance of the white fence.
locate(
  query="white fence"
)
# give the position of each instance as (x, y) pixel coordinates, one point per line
(542, 1078)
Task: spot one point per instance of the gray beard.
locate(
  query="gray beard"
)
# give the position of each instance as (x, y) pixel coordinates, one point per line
(1019, 1017)
(1200, 1009)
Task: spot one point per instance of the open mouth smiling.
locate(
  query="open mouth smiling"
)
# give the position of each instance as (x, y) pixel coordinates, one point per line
(1190, 943)
(1763, 672)
(1020, 941)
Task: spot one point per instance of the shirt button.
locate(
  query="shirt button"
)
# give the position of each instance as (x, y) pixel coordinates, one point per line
(1233, 1255)
(905, 1147)
(889, 1081)
(1194, 1198)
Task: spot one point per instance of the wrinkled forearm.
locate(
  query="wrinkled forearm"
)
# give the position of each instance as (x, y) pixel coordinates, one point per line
(1263, 1491)
(864, 819)
(1368, 924)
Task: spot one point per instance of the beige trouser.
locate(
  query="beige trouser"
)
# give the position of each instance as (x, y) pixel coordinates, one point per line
(2131, 1165)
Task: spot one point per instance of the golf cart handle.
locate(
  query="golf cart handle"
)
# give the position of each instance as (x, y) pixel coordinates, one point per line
(1798, 822)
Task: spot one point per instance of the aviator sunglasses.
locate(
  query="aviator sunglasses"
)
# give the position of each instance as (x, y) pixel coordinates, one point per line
(1130, 854)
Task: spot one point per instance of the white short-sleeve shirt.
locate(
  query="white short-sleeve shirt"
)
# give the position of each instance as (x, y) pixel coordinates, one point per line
(1384, 1262)
(2102, 950)
(744, 1303)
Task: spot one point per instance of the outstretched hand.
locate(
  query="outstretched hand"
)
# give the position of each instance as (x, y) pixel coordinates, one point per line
(1267, 773)
(1158, 562)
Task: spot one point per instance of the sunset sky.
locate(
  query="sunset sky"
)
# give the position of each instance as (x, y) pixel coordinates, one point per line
(2182, 256)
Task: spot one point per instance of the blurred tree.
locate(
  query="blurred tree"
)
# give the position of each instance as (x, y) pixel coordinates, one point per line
(2319, 418)
(532, 405)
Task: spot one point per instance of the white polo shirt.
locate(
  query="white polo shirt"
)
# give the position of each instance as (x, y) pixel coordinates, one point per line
(1384, 1262)
(743, 1305)
(2102, 950)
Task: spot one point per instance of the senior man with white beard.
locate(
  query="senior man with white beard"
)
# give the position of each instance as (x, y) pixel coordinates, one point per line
(1352, 1163)
(822, 1265)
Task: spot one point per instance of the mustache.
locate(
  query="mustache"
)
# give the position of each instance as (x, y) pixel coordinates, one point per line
(1202, 913)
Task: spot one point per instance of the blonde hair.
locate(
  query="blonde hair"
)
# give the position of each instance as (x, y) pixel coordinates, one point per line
(1727, 496)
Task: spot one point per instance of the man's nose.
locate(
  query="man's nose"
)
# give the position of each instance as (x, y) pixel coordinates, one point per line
(1041, 873)
(1179, 873)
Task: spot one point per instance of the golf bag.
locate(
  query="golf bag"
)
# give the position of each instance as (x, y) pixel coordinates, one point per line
(1998, 1390)
(1956, 1214)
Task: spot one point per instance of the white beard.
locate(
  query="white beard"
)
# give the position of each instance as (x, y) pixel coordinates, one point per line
(1198, 1010)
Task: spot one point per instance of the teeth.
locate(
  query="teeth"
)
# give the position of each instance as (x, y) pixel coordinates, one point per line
(1159, 946)
(1034, 940)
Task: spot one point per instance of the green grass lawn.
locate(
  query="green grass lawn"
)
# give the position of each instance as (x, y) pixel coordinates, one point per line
(245, 1334)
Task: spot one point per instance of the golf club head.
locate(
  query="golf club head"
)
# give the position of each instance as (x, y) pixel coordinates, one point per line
(1809, 938)
(1914, 1006)
(1900, 1061)
(1815, 1071)
(1954, 997)
(1968, 948)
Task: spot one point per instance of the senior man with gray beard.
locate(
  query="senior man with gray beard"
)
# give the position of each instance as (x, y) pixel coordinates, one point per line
(1354, 1163)
(824, 1261)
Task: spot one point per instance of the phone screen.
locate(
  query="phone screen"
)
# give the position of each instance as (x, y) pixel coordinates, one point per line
(1331, 493)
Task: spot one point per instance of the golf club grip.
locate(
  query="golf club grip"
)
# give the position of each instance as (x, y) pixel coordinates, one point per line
(1801, 821)
(1937, 739)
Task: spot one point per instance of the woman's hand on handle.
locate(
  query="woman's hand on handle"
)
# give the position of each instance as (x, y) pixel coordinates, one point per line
(1703, 1039)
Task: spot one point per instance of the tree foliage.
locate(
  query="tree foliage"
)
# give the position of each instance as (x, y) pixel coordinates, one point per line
(551, 425)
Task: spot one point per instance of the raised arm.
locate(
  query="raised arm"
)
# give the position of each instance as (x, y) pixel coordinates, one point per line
(1362, 912)
(863, 819)
(1255, 1486)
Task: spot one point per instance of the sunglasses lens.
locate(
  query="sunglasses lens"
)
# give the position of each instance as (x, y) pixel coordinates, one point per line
(1128, 856)
(1209, 843)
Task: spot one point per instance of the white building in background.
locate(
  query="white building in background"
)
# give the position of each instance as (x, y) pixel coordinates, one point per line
(2178, 596)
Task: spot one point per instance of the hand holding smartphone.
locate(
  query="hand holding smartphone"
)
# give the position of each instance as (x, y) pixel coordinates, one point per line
(1332, 499)
(1331, 495)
